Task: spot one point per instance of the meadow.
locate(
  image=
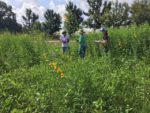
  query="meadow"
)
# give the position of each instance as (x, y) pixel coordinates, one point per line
(35, 77)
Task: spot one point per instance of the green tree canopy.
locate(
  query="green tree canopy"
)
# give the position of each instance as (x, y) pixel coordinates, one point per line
(97, 9)
(8, 18)
(119, 15)
(140, 12)
(73, 18)
(52, 23)
(30, 19)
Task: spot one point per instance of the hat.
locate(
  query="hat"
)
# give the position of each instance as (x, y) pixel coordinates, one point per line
(82, 31)
(64, 32)
(103, 29)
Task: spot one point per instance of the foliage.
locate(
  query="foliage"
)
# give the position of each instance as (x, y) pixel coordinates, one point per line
(30, 19)
(22, 50)
(73, 18)
(119, 15)
(140, 12)
(53, 22)
(96, 11)
(8, 18)
(36, 77)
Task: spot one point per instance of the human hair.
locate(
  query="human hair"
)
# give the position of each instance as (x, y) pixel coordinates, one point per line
(64, 32)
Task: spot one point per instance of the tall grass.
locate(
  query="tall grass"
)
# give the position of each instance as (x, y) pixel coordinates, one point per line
(114, 83)
(20, 51)
(133, 41)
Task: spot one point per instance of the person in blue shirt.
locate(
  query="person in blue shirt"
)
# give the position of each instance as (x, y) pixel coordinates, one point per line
(64, 39)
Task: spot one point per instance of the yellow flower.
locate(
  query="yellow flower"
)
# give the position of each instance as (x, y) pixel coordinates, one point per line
(55, 67)
(62, 75)
(50, 64)
(59, 70)
(67, 57)
(67, 19)
(54, 64)
(120, 44)
(135, 36)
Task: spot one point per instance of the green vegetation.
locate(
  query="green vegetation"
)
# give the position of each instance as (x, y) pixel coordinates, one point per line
(35, 77)
(100, 13)
(73, 18)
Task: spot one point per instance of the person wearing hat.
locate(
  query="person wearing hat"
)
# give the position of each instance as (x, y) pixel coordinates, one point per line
(64, 39)
(83, 45)
(105, 40)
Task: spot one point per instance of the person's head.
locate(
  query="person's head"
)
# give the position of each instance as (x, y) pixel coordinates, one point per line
(82, 32)
(64, 33)
(104, 31)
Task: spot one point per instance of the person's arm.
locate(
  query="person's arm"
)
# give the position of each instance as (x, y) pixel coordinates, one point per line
(103, 42)
(62, 40)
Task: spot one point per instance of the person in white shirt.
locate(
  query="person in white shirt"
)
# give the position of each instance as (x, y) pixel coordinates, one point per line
(64, 39)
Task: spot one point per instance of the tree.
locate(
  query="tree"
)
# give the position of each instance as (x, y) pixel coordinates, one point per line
(140, 12)
(8, 18)
(53, 22)
(97, 9)
(37, 26)
(73, 18)
(119, 15)
(30, 19)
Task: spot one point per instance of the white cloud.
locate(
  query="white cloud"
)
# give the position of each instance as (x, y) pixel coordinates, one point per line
(32, 4)
(58, 8)
(61, 9)
(40, 10)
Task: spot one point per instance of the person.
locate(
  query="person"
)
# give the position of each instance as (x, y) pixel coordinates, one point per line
(83, 45)
(105, 40)
(64, 39)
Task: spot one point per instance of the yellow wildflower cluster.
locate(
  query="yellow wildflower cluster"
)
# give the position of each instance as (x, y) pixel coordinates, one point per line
(120, 44)
(135, 35)
(55, 67)
(59, 70)
(67, 19)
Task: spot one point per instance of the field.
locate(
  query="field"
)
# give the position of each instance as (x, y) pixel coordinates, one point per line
(35, 77)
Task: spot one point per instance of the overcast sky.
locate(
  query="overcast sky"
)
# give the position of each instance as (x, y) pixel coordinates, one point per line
(40, 6)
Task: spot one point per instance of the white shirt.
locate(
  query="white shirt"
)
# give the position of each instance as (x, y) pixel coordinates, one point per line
(64, 38)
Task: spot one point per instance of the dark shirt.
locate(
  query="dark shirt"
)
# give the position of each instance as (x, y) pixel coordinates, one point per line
(106, 37)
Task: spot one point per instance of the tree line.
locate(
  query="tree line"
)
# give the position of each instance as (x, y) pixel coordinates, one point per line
(100, 13)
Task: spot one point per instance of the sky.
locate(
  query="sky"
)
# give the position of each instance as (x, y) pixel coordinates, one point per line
(40, 6)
